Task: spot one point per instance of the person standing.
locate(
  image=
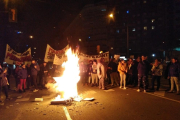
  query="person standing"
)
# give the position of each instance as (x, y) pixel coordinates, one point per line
(34, 71)
(89, 72)
(130, 66)
(23, 76)
(122, 68)
(101, 74)
(44, 72)
(157, 71)
(135, 71)
(83, 72)
(29, 82)
(94, 73)
(8, 73)
(174, 70)
(142, 73)
(3, 83)
(114, 75)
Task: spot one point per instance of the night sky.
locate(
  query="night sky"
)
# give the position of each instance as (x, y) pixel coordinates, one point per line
(46, 20)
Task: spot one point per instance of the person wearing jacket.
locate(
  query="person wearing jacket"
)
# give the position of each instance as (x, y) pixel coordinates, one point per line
(101, 74)
(34, 71)
(23, 76)
(89, 73)
(3, 83)
(94, 73)
(122, 68)
(29, 82)
(114, 75)
(44, 72)
(157, 71)
(142, 73)
(173, 74)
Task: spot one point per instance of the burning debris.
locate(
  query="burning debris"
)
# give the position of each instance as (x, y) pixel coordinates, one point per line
(66, 85)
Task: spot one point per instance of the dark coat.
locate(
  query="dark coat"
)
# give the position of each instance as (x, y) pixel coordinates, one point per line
(3, 80)
(174, 70)
(142, 68)
(34, 71)
(29, 70)
(22, 73)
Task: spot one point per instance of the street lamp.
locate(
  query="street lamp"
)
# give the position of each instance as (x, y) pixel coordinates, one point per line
(31, 36)
(111, 15)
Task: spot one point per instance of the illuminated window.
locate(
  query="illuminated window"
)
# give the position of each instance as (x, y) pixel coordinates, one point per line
(153, 27)
(144, 1)
(127, 11)
(134, 29)
(152, 20)
(80, 40)
(103, 10)
(117, 31)
(145, 27)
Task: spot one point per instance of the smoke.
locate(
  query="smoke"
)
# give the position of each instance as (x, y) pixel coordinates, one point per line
(52, 87)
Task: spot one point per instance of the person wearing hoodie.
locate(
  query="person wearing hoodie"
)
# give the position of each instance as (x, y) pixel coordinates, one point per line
(23, 76)
(173, 74)
(3, 83)
(34, 71)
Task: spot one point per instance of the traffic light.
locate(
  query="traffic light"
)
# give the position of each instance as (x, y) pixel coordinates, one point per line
(13, 15)
(98, 49)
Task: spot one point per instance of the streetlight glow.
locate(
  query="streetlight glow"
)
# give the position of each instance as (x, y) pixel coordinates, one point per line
(111, 15)
(31, 36)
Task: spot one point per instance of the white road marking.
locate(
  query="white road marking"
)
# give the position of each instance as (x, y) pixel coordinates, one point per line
(67, 113)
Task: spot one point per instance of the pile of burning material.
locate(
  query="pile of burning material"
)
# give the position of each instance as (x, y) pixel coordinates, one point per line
(67, 83)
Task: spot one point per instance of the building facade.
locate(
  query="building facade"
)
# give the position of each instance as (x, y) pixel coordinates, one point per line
(127, 27)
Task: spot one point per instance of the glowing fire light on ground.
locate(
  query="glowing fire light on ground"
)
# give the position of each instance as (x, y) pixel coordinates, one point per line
(66, 85)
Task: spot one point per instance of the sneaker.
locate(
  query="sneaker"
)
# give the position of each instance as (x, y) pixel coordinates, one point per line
(138, 90)
(124, 88)
(120, 87)
(144, 91)
(35, 90)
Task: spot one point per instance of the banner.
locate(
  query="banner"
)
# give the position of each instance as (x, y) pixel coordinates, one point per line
(116, 57)
(58, 61)
(82, 57)
(12, 57)
(86, 58)
(50, 53)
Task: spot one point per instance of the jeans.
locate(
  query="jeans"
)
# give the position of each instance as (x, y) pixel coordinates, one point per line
(28, 82)
(123, 80)
(114, 78)
(101, 83)
(89, 79)
(94, 78)
(5, 90)
(34, 79)
(174, 79)
(154, 77)
(143, 78)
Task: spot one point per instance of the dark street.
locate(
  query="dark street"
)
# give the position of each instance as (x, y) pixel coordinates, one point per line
(111, 104)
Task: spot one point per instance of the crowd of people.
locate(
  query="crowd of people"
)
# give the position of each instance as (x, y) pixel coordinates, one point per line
(117, 73)
(134, 73)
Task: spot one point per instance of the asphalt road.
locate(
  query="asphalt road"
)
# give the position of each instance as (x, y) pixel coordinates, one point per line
(111, 104)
